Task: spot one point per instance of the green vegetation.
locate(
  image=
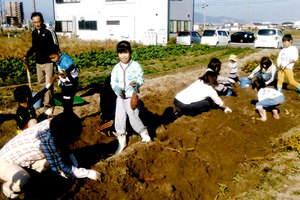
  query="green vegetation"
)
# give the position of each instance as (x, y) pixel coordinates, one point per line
(154, 59)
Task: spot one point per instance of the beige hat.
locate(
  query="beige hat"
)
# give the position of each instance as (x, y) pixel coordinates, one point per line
(232, 57)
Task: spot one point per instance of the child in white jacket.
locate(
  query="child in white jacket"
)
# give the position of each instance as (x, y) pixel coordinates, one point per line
(126, 78)
(286, 61)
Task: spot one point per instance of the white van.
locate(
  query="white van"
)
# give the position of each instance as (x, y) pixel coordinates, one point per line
(269, 37)
(216, 37)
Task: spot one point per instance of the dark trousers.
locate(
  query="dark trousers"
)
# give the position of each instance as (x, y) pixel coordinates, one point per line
(193, 108)
(68, 93)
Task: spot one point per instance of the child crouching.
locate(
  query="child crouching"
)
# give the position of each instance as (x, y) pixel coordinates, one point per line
(267, 98)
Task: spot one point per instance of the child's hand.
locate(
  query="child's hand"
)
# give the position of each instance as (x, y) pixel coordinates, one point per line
(227, 110)
(94, 175)
(63, 74)
(132, 83)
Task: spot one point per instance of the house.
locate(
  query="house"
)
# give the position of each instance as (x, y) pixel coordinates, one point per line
(143, 21)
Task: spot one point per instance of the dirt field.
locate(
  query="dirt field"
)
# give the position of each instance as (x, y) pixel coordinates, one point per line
(189, 158)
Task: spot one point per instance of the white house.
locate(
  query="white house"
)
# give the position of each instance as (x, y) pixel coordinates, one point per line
(144, 21)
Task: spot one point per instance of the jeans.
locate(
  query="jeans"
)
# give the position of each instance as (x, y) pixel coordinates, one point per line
(262, 76)
(270, 102)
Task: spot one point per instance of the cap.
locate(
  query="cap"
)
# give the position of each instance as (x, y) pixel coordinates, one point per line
(232, 57)
(123, 46)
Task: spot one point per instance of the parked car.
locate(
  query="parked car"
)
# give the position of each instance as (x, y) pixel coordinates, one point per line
(216, 37)
(269, 37)
(242, 36)
(188, 38)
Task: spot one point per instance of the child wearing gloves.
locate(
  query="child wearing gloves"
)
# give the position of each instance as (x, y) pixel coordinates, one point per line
(199, 97)
(38, 148)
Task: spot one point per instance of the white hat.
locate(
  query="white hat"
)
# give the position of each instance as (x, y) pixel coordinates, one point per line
(232, 57)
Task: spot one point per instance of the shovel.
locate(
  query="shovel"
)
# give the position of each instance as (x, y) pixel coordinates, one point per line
(28, 74)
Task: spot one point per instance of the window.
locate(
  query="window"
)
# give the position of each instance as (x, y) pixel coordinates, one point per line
(67, 1)
(186, 25)
(172, 26)
(178, 26)
(113, 22)
(64, 26)
(87, 25)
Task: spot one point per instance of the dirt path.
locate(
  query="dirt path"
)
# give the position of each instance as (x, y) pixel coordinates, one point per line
(189, 158)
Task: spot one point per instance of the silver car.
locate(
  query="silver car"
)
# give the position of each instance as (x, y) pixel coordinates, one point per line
(188, 38)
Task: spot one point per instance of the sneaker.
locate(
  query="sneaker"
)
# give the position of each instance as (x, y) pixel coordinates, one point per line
(145, 136)
(122, 143)
(9, 193)
(49, 111)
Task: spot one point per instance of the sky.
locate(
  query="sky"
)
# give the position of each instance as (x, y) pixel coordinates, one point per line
(43, 6)
(276, 11)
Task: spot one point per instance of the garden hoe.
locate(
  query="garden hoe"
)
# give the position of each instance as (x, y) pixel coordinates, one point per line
(28, 73)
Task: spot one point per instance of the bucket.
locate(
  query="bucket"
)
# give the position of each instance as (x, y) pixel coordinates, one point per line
(37, 104)
(245, 82)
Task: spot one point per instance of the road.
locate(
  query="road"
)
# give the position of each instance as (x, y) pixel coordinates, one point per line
(251, 45)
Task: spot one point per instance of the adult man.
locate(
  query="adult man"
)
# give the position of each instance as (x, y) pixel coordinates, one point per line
(42, 39)
(41, 147)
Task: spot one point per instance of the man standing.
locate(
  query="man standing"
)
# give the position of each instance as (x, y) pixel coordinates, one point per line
(42, 39)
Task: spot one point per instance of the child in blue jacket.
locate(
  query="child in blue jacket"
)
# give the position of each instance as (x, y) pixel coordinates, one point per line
(68, 77)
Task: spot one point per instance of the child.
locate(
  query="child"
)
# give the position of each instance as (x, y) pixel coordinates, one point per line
(286, 61)
(265, 72)
(68, 77)
(38, 148)
(199, 96)
(233, 65)
(267, 98)
(225, 84)
(26, 115)
(126, 78)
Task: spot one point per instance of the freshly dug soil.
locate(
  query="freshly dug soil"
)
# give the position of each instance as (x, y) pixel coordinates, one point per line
(189, 156)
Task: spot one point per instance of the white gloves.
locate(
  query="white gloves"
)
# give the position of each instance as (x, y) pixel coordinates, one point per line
(231, 80)
(227, 110)
(92, 174)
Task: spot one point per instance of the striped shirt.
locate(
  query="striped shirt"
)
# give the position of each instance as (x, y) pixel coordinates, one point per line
(36, 143)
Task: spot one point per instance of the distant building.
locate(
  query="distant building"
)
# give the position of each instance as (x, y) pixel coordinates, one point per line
(287, 25)
(296, 25)
(14, 13)
(144, 21)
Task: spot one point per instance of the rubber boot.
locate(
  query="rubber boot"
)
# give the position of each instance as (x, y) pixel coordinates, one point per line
(279, 89)
(122, 143)
(145, 136)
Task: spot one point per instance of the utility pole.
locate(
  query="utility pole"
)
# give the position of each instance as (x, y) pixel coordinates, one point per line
(33, 5)
(204, 5)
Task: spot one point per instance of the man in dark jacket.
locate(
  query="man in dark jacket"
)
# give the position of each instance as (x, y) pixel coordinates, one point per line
(42, 39)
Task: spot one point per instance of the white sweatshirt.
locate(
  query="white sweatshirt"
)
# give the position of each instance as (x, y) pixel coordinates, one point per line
(268, 93)
(198, 91)
(285, 55)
